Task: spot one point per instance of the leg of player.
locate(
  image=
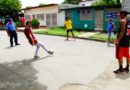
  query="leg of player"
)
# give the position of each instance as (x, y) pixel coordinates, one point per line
(126, 69)
(73, 34)
(42, 45)
(120, 70)
(36, 52)
(67, 35)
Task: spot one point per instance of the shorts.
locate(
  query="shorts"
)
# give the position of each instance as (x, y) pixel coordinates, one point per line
(111, 35)
(122, 52)
(69, 30)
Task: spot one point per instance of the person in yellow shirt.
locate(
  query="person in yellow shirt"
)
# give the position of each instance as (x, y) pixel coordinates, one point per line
(69, 27)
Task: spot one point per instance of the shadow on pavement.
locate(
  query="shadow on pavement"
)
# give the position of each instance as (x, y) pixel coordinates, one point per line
(20, 75)
(73, 86)
(9, 47)
(123, 76)
(28, 61)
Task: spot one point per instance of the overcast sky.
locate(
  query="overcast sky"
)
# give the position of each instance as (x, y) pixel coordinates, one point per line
(26, 3)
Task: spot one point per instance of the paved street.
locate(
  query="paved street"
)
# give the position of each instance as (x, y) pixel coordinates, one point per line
(76, 65)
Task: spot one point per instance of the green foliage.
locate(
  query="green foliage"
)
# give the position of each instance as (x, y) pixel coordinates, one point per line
(71, 1)
(35, 23)
(57, 31)
(42, 4)
(10, 7)
(28, 7)
(106, 2)
(18, 24)
(101, 37)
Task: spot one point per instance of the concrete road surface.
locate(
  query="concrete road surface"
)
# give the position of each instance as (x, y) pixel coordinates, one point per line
(76, 65)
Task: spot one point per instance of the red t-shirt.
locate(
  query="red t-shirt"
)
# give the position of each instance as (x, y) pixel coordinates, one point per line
(23, 20)
(28, 33)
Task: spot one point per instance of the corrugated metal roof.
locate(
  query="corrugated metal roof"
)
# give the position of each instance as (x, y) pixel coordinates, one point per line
(40, 6)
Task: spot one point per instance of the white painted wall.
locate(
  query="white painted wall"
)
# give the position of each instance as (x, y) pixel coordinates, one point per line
(87, 3)
(44, 10)
(61, 18)
(126, 5)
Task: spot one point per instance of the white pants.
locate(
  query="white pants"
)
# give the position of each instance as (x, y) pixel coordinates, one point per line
(38, 45)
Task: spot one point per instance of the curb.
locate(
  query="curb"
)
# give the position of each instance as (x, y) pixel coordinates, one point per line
(83, 38)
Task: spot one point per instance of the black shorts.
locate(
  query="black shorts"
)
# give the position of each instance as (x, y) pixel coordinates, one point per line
(69, 30)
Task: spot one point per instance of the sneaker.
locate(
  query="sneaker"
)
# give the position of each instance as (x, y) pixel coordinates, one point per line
(36, 57)
(50, 52)
(17, 44)
(118, 71)
(108, 44)
(126, 70)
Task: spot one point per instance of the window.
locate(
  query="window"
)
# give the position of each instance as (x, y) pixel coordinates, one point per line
(33, 16)
(40, 16)
(83, 5)
(51, 19)
(112, 15)
(27, 17)
(86, 15)
(54, 19)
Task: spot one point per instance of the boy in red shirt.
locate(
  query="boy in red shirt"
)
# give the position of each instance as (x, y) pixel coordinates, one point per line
(33, 41)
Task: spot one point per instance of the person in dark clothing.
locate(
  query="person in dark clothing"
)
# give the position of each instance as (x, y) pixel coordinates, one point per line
(12, 33)
(122, 43)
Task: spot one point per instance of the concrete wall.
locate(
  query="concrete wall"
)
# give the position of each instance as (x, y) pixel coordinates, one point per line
(61, 18)
(98, 20)
(86, 3)
(115, 20)
(46, 10)
(126, 5)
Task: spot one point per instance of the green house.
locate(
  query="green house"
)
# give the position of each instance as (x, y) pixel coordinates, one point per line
(93, 17)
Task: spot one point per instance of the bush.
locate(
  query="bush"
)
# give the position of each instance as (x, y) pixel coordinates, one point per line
(18, 24)
(35, 23)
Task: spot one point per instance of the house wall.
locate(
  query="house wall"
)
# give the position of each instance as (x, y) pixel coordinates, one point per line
(78, 23)
(61, 18)
(46, 11)
(87, 3)
(115, 20)
(126, 5)
(98, 20)
(81, 24)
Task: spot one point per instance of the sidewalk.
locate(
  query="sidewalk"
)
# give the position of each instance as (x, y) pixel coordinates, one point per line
(76, 65)
(87, 34)
(106, 81)
(83, 35)
(21, 29)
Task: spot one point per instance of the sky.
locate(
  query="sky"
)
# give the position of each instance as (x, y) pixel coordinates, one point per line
(26, 3)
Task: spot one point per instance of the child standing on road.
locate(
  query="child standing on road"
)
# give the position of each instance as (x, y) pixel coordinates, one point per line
(33, 41)
(69, 27)
(111, 27)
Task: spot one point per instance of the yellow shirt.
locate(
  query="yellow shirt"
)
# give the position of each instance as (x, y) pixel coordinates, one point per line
(68, 24)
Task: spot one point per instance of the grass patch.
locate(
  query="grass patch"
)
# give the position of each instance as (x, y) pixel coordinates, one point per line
(101, 37)
(57, 31)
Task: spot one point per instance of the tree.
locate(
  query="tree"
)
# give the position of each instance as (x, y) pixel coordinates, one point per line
(42, 4)
(118, 1)
(10, 7)
(106, 2)
(71, 1)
